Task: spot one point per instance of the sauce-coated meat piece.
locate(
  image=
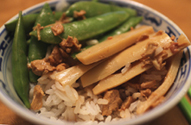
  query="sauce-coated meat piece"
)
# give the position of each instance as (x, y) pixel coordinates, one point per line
(114, 102)
(126, 103)
(40, 67)
(55, 57)
(57, 28)
(70, 45)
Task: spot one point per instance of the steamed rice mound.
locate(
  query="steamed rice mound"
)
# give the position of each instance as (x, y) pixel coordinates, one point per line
(76, 104)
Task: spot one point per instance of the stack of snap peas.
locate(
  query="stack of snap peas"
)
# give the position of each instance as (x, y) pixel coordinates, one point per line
(102, 20)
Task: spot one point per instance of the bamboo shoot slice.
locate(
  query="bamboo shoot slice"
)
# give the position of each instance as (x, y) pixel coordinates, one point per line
(170, 77)
(112, 46)
(127, 56)
(161, 91)
(70, 75)
(119, 78)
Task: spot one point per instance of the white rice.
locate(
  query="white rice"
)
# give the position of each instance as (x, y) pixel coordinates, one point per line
(136, 95)
(133, 106)
(66, 103)
(125, 114)
(72, 103)
(108, 119)
(102, 101)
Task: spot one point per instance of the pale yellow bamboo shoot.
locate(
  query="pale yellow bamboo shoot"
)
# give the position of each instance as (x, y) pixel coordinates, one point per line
(119, 78)
(161, 91)
(112, 46)
(127, 56)
(70, 75)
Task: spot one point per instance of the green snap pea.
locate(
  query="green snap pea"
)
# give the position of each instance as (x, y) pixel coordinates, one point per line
(124, 27)
(19, 62)
(96, 8)
(131, 22)
(37, 49)
(29, 21)
(84, 29)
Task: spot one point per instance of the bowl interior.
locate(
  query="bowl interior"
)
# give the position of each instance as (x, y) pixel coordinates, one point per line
(151, 17)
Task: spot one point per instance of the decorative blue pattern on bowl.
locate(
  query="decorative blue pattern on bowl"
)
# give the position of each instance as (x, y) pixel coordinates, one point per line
(151, 17)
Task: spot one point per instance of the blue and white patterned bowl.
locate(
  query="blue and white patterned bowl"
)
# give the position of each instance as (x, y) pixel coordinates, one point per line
(151, 17)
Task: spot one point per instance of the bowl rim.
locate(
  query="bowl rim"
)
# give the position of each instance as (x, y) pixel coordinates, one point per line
(27, 114)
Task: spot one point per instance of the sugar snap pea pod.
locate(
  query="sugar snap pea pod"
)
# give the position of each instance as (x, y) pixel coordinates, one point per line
(19, 63)
(124, 27)
(29, 21)
(96, 8)
(131, 22)
(57, 15)
(132, 12)
(84, 29)
(28, 41)
(37, 49)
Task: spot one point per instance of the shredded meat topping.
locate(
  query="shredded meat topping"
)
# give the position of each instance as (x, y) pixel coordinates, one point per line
(174, 47)
(122, 94)
(150, 85)
(37, 98)
(67, 59)
(58, 60)
(160, 32)
(150, 77)
(55, 57)
(172, 37)
(161, 57)
(62, 67)
(38, 27)
(126, 103)
(150, 50)
(134, 85)
(146, 93)
(40, 67)
(156, 64)
(150, 57)
(57, 28)
(158, 61)
(114, 102)
(146, 61)
(80, 14)
(63, 53)
(70, 45)
(64, 19)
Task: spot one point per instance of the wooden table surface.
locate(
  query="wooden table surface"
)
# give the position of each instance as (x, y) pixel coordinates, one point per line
(179, 11)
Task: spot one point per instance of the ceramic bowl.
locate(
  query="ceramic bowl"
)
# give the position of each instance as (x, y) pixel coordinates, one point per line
(151, 17)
